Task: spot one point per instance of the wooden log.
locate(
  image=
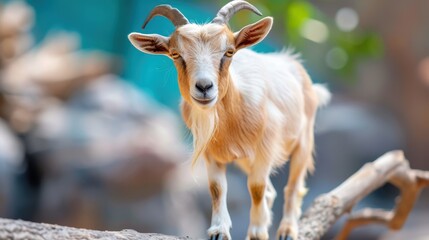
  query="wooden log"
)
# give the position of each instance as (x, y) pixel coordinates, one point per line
(23, 230)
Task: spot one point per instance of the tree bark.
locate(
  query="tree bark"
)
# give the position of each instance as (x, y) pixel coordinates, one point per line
(320, 216)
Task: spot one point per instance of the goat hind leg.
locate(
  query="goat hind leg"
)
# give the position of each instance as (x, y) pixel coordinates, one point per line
(270, 194)
(260, 213)
(294, 193)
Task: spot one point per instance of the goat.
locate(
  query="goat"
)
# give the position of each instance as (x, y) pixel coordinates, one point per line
(256, 110)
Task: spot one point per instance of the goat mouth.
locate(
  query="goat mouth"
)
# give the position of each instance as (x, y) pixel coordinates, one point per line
(203, 101)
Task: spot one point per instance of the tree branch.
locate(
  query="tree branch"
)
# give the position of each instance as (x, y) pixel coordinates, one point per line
(392, 167)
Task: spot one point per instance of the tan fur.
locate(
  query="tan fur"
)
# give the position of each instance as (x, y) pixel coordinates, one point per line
(238, 129)
(257, 193)
(215, 192)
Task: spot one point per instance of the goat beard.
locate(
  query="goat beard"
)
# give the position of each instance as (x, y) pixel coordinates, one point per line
(204, 124)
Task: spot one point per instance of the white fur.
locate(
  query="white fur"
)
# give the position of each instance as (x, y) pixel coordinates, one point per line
(273, 78)
(323, 94)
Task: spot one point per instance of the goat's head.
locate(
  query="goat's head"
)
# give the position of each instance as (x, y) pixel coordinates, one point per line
(202, 53)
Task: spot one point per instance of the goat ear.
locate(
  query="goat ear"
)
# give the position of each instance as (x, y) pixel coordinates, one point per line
(253, 33)
(149, 43)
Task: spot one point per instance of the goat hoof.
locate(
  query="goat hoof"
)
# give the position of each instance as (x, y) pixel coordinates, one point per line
(287, 237)
(218, 236)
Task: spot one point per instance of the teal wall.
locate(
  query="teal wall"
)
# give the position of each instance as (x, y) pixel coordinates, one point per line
(105, 24)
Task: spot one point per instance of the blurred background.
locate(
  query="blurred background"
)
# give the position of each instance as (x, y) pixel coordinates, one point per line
(90, 130)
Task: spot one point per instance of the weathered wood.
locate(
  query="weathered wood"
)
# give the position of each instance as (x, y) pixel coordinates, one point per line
(391, 167)
(316, 221)
(23, 230)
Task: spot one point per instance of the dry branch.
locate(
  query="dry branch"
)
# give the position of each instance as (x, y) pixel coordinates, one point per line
(392, 167)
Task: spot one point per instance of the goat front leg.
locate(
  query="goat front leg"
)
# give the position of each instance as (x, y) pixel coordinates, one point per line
(262, 196)
(221, 221)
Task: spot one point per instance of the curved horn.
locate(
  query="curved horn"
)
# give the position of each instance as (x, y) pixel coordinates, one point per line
(173, 14)
(227, 11)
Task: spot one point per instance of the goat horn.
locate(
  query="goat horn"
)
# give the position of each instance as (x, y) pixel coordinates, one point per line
(173, 14)
(227, 11)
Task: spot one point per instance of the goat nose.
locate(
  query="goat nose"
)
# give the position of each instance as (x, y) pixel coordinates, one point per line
(204, 86)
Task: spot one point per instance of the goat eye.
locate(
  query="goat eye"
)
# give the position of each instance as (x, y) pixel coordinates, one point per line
(229, 53)
(175, 55)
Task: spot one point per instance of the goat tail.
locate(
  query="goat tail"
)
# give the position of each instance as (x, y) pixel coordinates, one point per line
(323, 94)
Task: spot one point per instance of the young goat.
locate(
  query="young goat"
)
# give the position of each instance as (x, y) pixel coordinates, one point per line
(256, 110)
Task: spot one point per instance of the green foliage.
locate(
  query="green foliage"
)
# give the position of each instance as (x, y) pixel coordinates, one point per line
(297, 12)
